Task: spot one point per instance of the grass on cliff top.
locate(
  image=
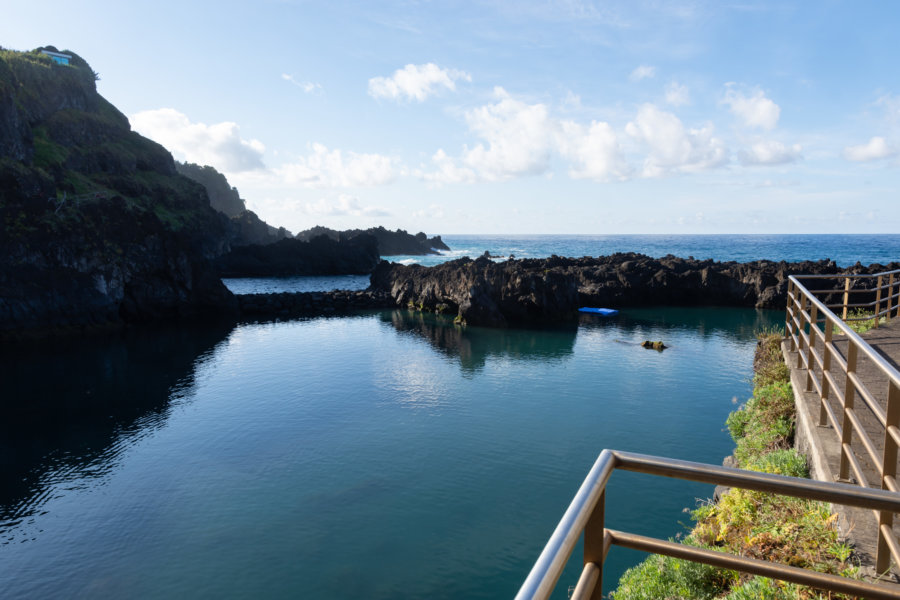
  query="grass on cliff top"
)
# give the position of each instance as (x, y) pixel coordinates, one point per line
(801, 533)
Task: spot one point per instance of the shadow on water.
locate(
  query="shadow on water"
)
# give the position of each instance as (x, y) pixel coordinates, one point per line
(472, 346)
(67, 402)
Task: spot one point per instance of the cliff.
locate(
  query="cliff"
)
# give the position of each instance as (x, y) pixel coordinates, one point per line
(97, 225)
(245, 226)
(319, 256)
(390, 243)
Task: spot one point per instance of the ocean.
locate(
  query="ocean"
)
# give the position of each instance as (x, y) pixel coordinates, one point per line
(844, 249)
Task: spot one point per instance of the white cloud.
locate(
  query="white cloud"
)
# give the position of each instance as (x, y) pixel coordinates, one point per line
(343, 206)
(672, 147)
(755, 110)
(875, 149)
(770, 152)
(307, 86)
(448, 171)
(594, 151)
(677, 94)
(642, 72)
(326, 168)
(219, 145)
(518, 138)
(416, 82)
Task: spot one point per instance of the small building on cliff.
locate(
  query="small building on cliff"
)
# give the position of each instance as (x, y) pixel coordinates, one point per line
(59, 57)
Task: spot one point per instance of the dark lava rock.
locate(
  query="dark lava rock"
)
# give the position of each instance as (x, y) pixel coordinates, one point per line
(390, 243)
(319, 256)
(481, 291)
(533, 290)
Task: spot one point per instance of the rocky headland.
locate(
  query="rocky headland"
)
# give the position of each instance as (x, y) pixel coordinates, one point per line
(319, 256)
(389, 243)
(100, 226)
(97, 225)
(498, 294)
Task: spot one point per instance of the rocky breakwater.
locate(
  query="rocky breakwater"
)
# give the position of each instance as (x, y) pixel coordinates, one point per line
(482, 292)
(286, 305)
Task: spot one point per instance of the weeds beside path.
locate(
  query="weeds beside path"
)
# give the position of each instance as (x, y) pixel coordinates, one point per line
(792, 531)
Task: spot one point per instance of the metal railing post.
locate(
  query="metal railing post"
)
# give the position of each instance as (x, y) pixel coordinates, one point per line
(789, 315)
(811, 347)
(890, 298)
(878, 302)
(826, 366)
(593, 543)
(846, 422)
(886, 517)
(846, 298)
(802, 327)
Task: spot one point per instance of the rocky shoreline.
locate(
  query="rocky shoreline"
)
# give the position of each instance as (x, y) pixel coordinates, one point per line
(502, 294)
(515, 292)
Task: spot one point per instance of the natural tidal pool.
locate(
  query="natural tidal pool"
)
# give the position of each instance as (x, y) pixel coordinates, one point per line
(385, 455)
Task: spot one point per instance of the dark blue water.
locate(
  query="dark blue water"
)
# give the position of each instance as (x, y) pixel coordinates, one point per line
(306, 283)
(388, 455)
(845, 250)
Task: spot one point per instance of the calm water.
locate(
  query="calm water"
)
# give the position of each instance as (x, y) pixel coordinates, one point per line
(313, 283)
(845, 250)
(388, 455)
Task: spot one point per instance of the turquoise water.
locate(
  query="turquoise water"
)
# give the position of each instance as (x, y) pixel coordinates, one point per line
(387, 455)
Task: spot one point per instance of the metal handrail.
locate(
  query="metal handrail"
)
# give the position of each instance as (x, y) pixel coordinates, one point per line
(891, 300)
(586, 514)
(817, 354)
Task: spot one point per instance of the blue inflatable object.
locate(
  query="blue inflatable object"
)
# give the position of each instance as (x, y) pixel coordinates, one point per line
(606, 312)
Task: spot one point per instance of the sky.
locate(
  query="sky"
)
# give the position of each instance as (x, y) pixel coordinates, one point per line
(506, 117)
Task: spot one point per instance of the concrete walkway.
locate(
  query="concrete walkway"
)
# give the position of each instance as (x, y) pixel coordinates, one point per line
(822, 444)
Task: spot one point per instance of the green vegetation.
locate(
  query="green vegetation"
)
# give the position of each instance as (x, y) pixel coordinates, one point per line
(790, 531)
(47, 153)
(68, 171)
(863, 326)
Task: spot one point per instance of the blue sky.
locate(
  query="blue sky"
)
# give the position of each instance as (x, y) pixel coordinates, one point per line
(512, 117)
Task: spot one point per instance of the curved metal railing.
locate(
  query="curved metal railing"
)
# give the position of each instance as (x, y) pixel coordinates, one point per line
(586, 514)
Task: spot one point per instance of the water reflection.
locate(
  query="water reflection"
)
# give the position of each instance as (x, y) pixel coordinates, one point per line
(738, 324)
(68, 404)
(472, 346)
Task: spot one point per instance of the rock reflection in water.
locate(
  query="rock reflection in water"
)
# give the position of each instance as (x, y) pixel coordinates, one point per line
(71, 405)
(474, 345)
(734, 323)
